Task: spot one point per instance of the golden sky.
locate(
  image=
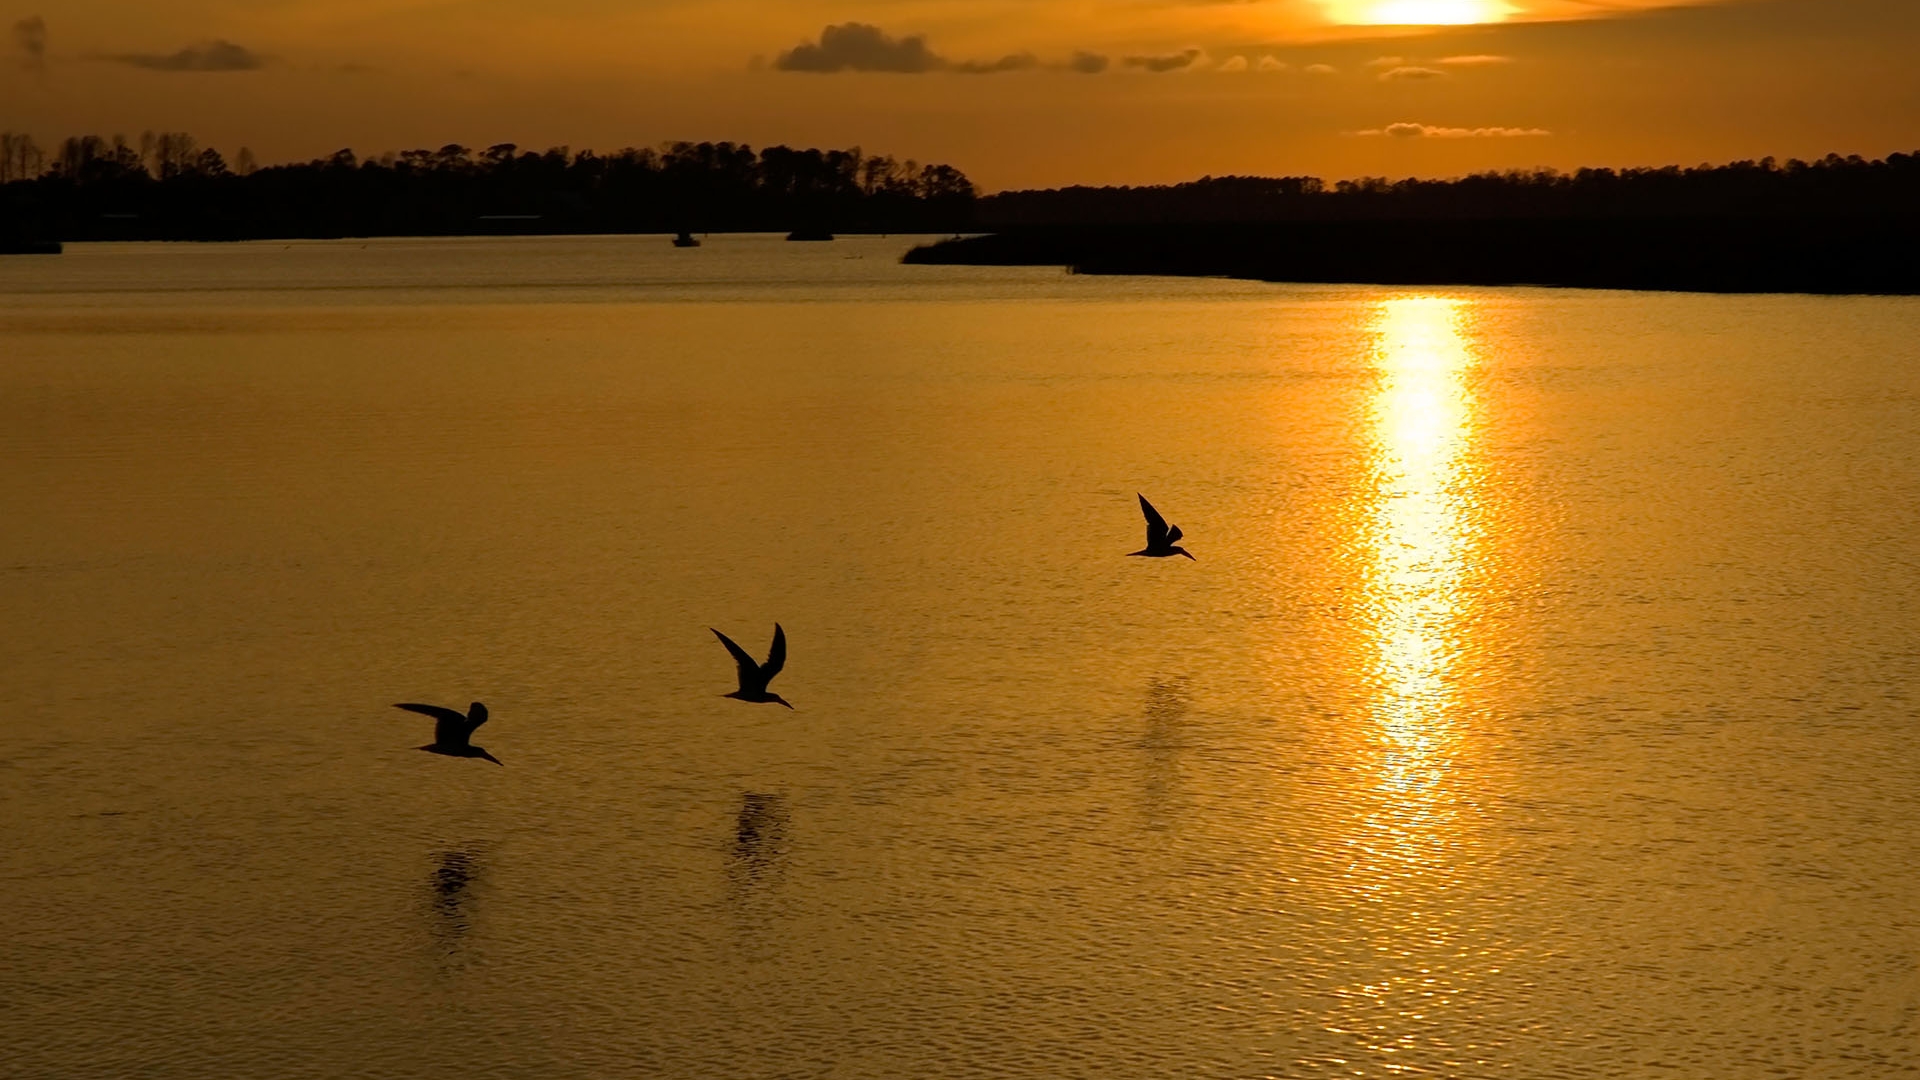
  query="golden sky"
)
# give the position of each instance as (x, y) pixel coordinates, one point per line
(1014, 92)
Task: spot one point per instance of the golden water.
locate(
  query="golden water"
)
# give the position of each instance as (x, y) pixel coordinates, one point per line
(1540, 703)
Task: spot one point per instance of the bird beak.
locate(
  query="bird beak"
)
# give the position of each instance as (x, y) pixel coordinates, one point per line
(493, 759)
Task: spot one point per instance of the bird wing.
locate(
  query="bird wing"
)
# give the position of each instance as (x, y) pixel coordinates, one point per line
(475, 718)
(749, 668)
(1173, 535)
(449, 726)
(1156, 525)
(777, 656)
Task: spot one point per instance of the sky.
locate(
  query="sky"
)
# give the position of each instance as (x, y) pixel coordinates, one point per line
(1016, 93)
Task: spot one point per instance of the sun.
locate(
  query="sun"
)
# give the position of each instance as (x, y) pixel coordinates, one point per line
(1420, 12)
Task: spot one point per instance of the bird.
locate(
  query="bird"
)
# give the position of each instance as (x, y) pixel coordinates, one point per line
(451, 730)
(1160, 538)
(755, 677)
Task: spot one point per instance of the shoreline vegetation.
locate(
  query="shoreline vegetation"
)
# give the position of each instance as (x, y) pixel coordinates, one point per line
(1836, 225)
(167, 187)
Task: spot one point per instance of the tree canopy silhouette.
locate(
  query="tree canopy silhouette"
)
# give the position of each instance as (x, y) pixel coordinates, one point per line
(168, 187)
(1832, 225)
(1832, 185)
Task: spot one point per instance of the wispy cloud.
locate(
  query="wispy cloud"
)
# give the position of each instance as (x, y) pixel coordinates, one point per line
(1179, 61)
(1414, 73)
(864, 47)
(1429, 131)
(1386, 61)
(1011, 62)
(1233, 63)
(1476, 60)
(211, 56)
(30, 34)
(1087, 63)
(1269, 63)
(1321, 69)
(860, 47)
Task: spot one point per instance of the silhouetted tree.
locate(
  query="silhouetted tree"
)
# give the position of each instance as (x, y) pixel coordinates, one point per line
(171, 187)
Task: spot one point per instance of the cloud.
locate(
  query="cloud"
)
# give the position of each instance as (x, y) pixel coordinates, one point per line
(1012, 62)
(1233, 63)
(212, 56)
(1179, 61)
(859, 47)
(1400, 73)
(30, 34)
(1321, 69)
(856, 46)
(1428, 131)
(1268, 63)
(1087, 63)
(1386, 61)
(1477, 60)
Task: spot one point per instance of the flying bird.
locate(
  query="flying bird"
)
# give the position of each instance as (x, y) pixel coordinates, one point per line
(452, 730)
(755, 677)
(1160, 538)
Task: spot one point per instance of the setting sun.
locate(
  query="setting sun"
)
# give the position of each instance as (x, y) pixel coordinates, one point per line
(1420, 12)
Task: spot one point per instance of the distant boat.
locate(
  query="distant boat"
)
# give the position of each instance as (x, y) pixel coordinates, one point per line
(31, 247)
(685, 239)
(809, 234)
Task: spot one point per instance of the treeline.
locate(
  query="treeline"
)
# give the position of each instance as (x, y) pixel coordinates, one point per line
(166, 186)
(1833, 185)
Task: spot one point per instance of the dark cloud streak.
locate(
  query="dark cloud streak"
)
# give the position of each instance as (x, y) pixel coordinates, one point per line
(863, 47)
(860, 47)
(1179, 61)
(216, 55)
(30, 34)
(1014, 62)
(1087, 63)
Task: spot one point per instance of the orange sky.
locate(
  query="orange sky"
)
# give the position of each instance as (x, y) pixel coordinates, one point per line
(1014, 92)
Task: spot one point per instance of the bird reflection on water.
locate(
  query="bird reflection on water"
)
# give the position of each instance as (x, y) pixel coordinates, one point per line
(759, 839)
(454, 872)
(1167, 702)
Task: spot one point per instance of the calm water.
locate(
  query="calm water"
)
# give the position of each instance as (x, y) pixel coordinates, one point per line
(1542, 703)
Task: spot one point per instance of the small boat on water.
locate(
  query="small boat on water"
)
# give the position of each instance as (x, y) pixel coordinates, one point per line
(30, 247)
(685, 239)
(809, 234)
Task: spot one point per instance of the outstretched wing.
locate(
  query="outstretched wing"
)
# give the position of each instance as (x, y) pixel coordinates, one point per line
(1173, 535)
(1156, 525)
(749, 668)
(449, 727)
(478, 714)
(777, 656)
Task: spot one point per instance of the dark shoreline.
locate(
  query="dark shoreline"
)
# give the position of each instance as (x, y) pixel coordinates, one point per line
(1826, 254)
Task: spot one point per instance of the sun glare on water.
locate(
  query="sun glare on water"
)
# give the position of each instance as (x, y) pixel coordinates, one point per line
(1420, 12)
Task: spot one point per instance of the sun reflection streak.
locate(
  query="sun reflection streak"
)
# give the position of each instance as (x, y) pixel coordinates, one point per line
(1421, 425)
(1407, 854)
(1416, 540)
(1418, 535)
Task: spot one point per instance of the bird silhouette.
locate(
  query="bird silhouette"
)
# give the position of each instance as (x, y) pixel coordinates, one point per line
(1160, 538)
(755, 677)
(451, 730)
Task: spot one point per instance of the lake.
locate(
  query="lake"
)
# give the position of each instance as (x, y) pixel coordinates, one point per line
(1541, 701)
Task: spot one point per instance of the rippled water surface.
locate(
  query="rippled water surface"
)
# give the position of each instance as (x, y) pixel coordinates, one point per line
(1540, 703)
